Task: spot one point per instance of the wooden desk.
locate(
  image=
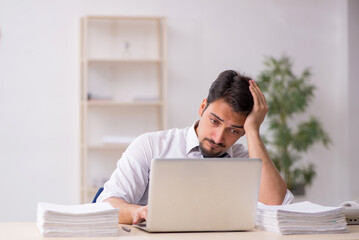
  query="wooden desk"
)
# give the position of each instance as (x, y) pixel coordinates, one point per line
(29, 231)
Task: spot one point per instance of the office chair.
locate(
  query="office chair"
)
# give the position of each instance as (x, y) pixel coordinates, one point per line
(97, 194)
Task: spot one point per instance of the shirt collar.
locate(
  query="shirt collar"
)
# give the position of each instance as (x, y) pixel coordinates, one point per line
(192, 142)
(191, 138)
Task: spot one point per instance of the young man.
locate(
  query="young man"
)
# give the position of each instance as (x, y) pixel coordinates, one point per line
(235, 106)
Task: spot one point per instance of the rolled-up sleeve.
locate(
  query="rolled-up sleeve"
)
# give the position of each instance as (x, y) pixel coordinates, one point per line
(131, 176)
(288, 198)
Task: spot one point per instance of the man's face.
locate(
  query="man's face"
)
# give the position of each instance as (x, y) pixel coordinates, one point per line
(219, 127)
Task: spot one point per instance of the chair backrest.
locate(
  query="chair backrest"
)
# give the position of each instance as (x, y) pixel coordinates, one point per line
(97, 194)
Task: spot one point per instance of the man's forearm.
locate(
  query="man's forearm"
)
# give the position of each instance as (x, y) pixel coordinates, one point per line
(126, 210)
(272, 186)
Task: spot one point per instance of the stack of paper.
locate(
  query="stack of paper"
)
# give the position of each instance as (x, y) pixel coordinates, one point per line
(301, 218)
(98, 219)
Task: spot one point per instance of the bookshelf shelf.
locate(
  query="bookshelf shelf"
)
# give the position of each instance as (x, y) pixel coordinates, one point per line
(108, 147)
(123, 90)
(108, 103)
(118, 60)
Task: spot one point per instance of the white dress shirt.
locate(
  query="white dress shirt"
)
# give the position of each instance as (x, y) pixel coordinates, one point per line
(130, 179)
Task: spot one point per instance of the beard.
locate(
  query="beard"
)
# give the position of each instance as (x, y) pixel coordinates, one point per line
(211, 153)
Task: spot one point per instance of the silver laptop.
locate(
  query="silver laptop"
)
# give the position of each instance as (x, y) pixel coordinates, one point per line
(209, 194)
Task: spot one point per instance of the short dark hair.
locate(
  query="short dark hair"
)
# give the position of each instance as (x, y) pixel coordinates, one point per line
(233, 88)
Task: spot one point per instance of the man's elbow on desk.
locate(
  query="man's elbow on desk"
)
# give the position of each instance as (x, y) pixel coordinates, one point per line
(281, 198)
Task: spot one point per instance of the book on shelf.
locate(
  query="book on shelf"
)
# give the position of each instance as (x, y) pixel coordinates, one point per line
(117, 140)
(97, 97)
(146, 99)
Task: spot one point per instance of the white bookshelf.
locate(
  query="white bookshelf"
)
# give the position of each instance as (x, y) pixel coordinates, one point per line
(123, 89)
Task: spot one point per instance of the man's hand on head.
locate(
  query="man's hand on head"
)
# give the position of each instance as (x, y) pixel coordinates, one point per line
(259, 111)
(140, 215)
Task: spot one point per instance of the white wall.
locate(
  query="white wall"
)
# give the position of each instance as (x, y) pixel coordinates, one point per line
(39, 82)
(353, 109)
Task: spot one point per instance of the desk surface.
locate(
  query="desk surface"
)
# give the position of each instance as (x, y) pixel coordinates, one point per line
(29, 231)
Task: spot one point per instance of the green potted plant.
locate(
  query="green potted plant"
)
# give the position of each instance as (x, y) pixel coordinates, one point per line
(287, 96)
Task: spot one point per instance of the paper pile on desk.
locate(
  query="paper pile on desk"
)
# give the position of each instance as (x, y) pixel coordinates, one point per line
(301, 218)
(86, 220)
